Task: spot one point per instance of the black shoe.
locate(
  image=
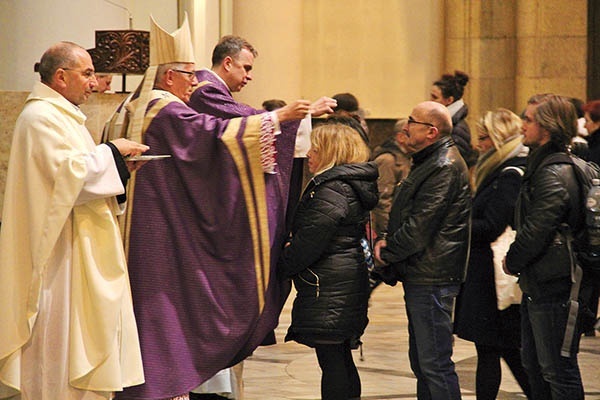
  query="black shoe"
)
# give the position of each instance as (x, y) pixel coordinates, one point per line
(206, 396)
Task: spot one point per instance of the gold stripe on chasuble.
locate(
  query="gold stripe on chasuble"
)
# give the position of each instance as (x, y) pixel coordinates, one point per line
(256, 204)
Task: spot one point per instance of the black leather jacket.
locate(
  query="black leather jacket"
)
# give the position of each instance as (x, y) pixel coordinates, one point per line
(549, 197)
(429, 228)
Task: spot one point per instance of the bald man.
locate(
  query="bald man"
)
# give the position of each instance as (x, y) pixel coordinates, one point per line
(427, 245)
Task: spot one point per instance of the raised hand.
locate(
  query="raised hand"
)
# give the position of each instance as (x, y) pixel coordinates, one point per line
(296, 110)
(324, 105)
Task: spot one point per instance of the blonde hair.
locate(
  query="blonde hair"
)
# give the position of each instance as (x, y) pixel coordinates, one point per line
(500, 125)
(338, 144)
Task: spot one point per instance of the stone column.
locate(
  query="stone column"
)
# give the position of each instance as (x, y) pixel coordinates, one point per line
(481, 41)
(513, 49)
(551, 48)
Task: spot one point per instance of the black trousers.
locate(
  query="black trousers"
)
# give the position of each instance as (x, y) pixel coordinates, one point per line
(339, 380)
(205, 396)
(489, 373)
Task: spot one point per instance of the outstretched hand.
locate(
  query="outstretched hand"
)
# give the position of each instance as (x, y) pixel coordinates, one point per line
(129, 148)
(324, 105)
(296, 110)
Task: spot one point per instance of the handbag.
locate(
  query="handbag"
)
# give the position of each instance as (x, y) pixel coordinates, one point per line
(508, 291)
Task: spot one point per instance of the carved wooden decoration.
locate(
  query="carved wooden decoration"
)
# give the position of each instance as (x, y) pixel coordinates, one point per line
(124, 51)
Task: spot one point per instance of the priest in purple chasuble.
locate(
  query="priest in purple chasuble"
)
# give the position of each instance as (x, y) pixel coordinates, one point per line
(203, 241)
(204, 231)
(231, 70)
(213, 97)
(232, 65)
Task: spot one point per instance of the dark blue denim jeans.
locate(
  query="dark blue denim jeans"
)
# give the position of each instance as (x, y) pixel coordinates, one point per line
(429, 310)
(551, 375)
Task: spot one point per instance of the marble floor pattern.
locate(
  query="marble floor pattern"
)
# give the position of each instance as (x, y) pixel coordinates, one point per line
(290, 371)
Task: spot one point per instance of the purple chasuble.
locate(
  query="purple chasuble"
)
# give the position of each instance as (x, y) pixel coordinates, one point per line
(205, 232)
(214, 98)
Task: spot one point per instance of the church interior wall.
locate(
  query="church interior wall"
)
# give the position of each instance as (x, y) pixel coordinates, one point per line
(386, 52)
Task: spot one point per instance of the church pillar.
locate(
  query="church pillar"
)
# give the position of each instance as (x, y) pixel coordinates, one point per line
(551, 48)
(481, 41)
(513, 49)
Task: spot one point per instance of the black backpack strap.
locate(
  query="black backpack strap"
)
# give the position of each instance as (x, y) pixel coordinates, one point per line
(573, 303)
(576, 271)
(556, 158)
(575, 221)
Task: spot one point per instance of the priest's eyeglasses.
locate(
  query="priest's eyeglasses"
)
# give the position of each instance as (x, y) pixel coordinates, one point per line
(190, 74)
(87, 74)
(411, 120)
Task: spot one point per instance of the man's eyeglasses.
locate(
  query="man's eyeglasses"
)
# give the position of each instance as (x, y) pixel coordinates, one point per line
(411, 120)
(87, 74)
(190, 74)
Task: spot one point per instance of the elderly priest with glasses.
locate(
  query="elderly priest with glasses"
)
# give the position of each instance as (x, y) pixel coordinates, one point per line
(205, 229)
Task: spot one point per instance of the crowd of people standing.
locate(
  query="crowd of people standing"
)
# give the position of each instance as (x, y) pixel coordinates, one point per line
(203, 274)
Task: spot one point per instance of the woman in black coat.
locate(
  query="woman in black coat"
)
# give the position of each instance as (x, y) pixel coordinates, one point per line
(496, 333)
(325, 259)
(448, 90)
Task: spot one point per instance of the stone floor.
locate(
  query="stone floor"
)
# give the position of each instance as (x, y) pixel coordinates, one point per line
(290, 371)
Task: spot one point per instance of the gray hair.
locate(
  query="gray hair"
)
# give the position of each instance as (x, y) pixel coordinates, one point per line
(60, 55)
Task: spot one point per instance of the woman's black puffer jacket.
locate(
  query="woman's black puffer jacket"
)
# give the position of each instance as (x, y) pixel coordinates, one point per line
(325, 258)
(462, 136)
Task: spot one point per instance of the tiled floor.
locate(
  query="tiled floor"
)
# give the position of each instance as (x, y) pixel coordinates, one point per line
(290, 371)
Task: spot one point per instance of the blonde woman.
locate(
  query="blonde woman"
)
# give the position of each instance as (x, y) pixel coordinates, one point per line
(496, 333)
(325, 259)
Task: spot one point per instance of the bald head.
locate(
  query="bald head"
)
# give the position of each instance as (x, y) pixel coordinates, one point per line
(436, 114)
(428, 122)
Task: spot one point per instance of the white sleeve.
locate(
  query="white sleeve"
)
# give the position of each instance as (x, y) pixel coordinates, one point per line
(303, 137)
(102, 178)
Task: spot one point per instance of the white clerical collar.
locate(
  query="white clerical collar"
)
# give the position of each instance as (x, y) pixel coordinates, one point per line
(164, 94)
(218, 77)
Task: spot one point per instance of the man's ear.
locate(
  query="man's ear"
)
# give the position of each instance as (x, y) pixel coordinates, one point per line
(433, 133)
(227, 63)
(448, 101)
(59, 79)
